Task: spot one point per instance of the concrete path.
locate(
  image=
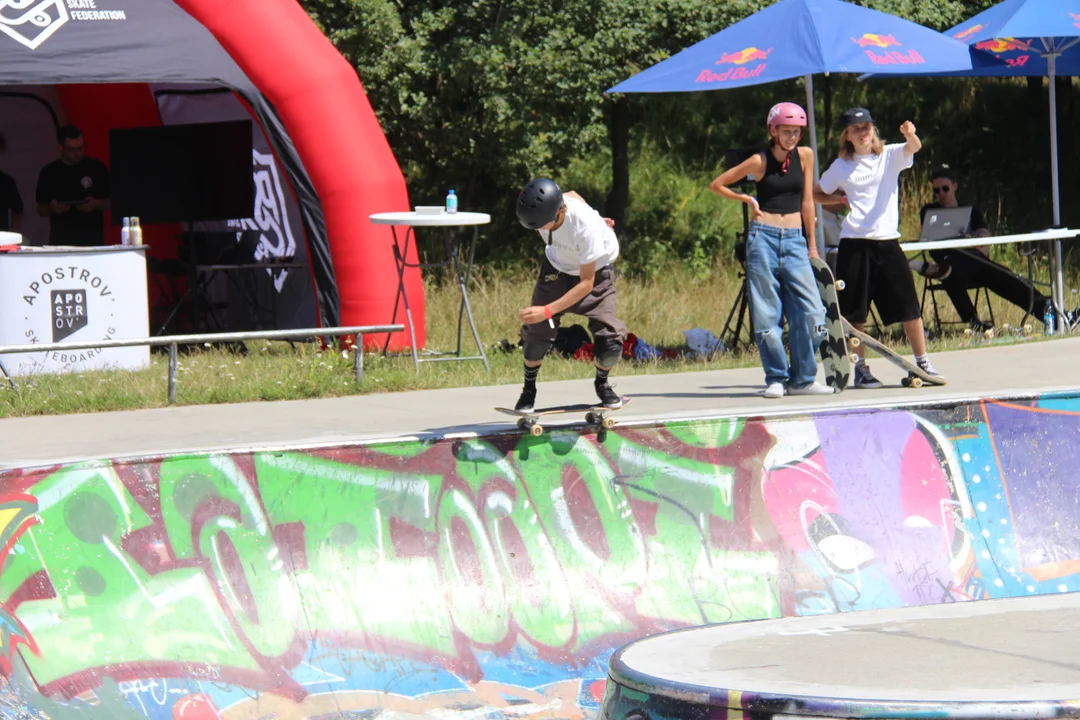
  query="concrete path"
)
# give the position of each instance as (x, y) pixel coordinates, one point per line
(996, 371)
(1020, 650)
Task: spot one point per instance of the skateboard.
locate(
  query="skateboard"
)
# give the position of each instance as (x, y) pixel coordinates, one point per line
(594, 415)
(916, 378)
(833, 348)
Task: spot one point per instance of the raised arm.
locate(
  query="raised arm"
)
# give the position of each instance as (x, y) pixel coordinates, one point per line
(913, 144)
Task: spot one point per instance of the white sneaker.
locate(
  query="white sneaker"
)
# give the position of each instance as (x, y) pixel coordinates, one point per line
(814, 388)
(775, 390)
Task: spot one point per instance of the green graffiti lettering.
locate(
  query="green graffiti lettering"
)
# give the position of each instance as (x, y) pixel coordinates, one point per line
(212, 497)
(537, 592)
(355, 582)
(473, 583)
(102, 592)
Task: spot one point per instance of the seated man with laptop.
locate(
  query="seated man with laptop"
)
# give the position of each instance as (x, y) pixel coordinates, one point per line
(962, 269)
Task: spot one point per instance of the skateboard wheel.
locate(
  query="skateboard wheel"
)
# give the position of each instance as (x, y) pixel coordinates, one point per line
(590, 418)
(608, 423)
(1027, 328)
(854, 359)
(916, 383)
(988, 334)
(536, 431)
(967, 332)
(906, 382)
(854, 342)
(840, 284)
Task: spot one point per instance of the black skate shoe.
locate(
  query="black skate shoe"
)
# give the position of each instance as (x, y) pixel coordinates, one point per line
(527, 400)
(607, 396)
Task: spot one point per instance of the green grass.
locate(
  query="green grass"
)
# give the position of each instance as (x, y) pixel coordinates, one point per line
(657, 309)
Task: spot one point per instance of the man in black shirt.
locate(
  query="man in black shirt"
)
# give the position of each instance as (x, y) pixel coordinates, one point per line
(73, 192)
(11, 204)
(961, 269)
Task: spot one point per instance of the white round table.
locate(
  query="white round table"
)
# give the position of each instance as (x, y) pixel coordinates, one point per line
(10, 238)
(411, 220)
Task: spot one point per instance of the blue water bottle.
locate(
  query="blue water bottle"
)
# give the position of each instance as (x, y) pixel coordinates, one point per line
(1048, 318)
(451, 202)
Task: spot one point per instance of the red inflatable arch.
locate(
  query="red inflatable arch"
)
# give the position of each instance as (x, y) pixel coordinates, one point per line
(146, 60)
(329, 118)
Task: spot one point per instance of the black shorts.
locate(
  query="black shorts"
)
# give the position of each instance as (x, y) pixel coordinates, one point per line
(877, 271)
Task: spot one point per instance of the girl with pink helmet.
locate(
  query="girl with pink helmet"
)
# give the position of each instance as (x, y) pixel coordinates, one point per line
(779, 278)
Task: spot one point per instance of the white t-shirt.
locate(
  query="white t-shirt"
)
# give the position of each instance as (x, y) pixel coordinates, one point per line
(583, 238)
(872, 184)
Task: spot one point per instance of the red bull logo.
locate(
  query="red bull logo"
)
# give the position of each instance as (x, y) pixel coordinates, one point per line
(1076, 19)
(744, 56)
(868, 41)
(998, 46)
(969, 32)
(739, 60)
(873, 40)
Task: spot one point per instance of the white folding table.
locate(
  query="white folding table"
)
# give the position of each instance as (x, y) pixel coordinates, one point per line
(411, 220)
(971, 242)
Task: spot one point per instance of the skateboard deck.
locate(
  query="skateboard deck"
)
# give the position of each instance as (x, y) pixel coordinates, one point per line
(833, 348)
(594, 415)
(917, 377)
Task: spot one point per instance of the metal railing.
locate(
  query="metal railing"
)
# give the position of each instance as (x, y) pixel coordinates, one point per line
(172, 341)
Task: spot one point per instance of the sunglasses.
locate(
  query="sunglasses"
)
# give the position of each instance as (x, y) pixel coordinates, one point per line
(941, 189)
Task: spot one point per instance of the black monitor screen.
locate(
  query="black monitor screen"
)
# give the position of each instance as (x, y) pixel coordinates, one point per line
(180, 173)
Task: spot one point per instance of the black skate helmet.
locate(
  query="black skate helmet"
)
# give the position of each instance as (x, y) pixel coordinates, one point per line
(539, 203)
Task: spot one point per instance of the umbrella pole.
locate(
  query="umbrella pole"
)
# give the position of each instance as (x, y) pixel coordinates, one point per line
(1059, 286)
(819, 227)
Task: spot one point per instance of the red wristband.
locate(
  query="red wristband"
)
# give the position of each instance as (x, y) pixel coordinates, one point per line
(547, 312)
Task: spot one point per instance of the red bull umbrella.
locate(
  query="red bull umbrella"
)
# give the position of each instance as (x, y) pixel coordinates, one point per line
(793, 38)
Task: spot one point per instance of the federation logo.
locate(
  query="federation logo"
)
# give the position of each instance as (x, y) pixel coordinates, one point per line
(744, 56)
(68, 313)
(32, 22)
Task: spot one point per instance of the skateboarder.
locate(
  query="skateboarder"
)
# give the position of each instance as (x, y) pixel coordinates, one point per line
(576, 277)
(780, 281)
(870, 261)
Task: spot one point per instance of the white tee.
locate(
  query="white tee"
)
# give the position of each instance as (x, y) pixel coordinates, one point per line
(583, 238)
(872, 184)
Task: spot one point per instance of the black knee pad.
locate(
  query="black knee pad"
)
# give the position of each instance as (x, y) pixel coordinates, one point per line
(535, 349)
(607, 352)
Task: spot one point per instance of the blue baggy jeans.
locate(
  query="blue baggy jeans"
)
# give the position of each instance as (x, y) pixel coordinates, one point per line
(781, 283)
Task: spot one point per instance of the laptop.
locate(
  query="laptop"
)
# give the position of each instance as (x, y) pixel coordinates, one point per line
(945, 223)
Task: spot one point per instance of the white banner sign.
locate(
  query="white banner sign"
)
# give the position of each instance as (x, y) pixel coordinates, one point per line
(50, 296)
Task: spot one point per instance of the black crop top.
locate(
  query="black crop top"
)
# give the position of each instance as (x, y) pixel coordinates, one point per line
(781, 193)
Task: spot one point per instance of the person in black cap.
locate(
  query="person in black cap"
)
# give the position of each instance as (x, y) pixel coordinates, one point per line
(11, 204)
(870, 261)
(73, 192)
(576, 276)
(961, 269)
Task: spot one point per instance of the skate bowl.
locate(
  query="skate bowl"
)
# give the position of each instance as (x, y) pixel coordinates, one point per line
(495, 575)
(1018, 658)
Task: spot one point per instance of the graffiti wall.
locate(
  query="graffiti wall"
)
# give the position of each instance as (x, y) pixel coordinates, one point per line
(494, 576)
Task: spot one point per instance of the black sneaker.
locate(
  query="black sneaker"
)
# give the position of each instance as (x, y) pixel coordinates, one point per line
(927, 368)
(527, 400)
(863, 378)
(607, 396)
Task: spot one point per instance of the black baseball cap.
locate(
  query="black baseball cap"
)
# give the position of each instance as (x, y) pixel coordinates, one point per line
(854, 116)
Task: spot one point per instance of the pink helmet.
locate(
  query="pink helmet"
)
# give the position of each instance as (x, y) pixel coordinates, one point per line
(787, 113)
